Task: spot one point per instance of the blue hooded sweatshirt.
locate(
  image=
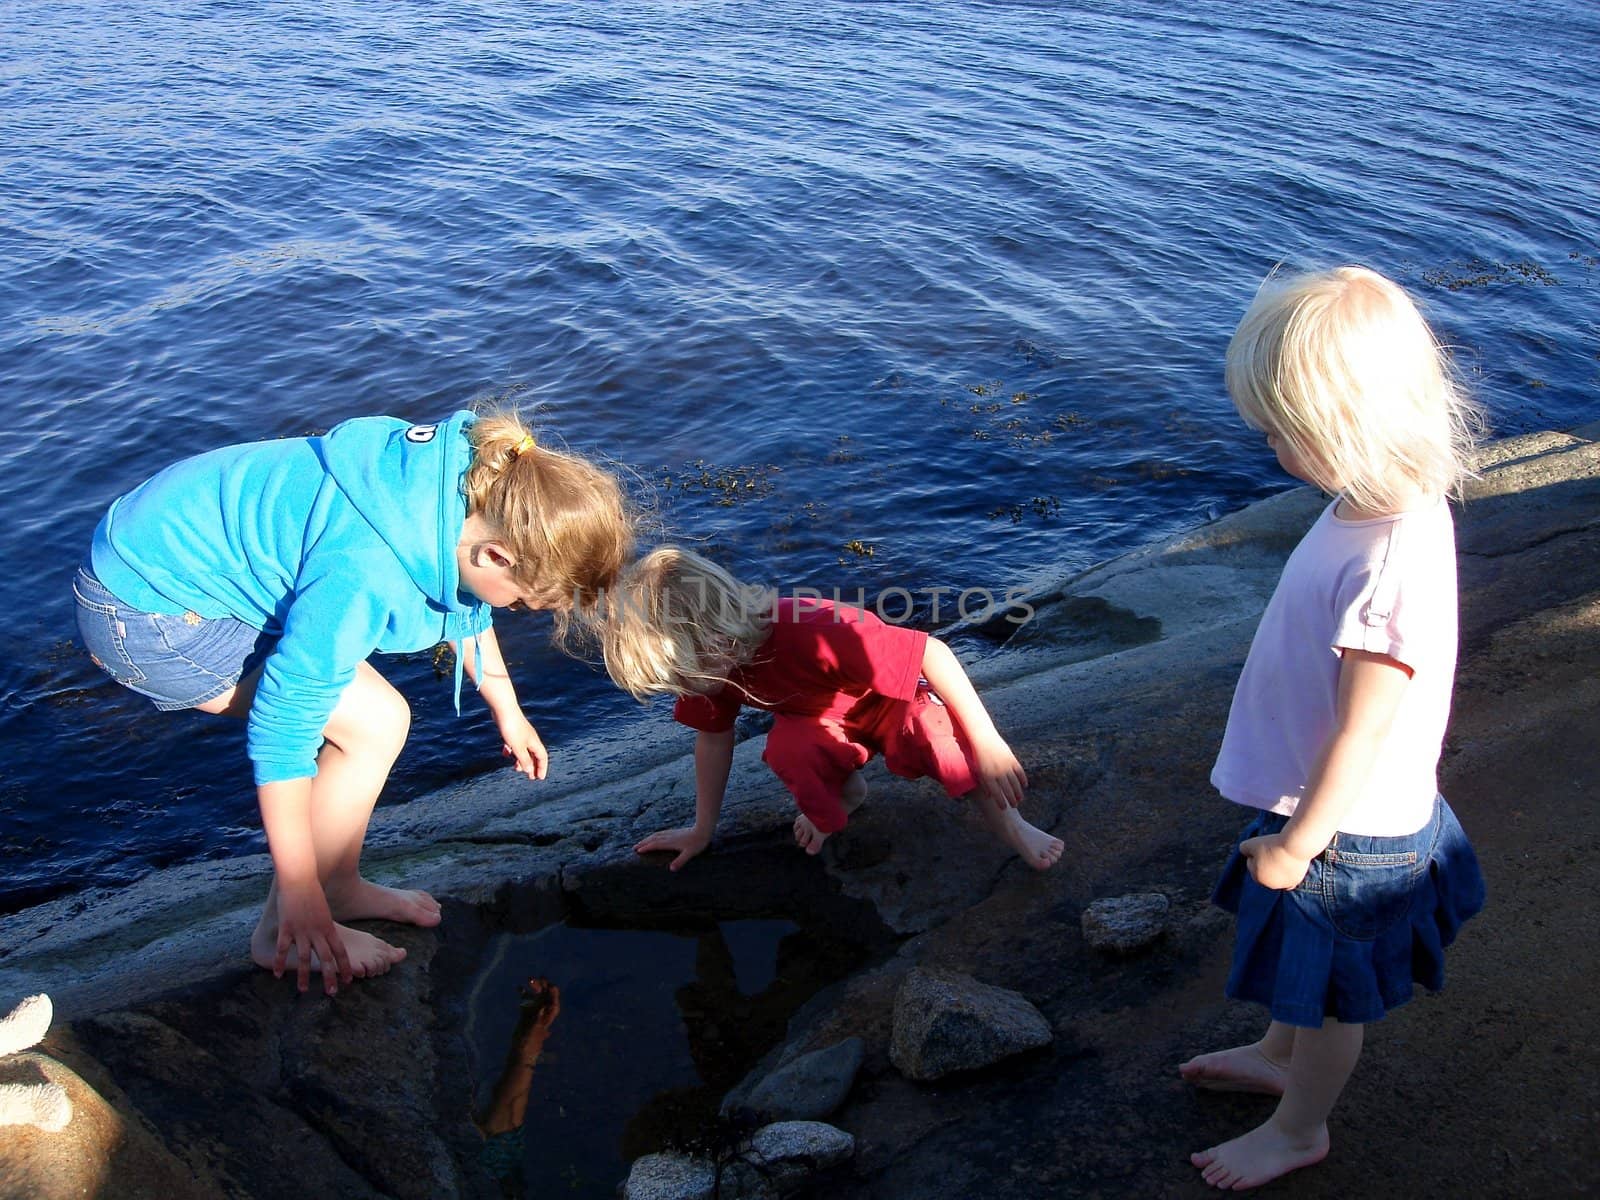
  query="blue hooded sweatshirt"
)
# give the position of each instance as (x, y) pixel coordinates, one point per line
(341, 545)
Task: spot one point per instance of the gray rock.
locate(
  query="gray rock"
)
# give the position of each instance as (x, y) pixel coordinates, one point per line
(813, 1142)
(787, 1154)
(810, 1087)
(1123, 924)
(669, 1177)
(946, 1022)
(779, 1161)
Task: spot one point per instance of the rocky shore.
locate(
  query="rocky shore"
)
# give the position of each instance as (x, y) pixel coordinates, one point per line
(193, 1075)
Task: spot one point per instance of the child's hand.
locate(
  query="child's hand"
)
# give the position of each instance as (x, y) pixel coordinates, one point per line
(305, 923)
(685, 843)
(807, 836)
(522, 744)
(1001, 778)
(541, 1000)
(1271, 864)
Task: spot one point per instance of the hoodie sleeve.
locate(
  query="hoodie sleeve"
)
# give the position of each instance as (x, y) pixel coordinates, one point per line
(334, 623)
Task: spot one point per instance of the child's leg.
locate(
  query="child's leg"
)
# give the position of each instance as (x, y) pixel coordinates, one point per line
(920, 739)
(816, 760)
(1296, 1134)
(363, 737)
(1259, 1067)
(854, 792)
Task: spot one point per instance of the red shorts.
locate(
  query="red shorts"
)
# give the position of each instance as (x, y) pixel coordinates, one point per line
(917, 738)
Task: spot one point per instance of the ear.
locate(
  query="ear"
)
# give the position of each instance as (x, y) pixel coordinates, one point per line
(495, 554)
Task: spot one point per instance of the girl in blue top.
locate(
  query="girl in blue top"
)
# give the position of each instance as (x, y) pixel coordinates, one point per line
(256, 580)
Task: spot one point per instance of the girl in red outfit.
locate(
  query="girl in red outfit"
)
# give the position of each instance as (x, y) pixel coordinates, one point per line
(841, 684)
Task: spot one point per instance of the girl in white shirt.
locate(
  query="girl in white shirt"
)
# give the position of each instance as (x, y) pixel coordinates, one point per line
(1354, 874)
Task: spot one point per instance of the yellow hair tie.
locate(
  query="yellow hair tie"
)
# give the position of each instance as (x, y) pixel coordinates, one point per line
(527, 443)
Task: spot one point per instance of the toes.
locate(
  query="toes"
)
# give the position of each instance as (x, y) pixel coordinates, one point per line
(1220, 1175)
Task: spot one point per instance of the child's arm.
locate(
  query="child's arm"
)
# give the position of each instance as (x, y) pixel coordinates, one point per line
(304, 921)
(487, 669)
(1371, 687)
(713, 759)
(1000, 776)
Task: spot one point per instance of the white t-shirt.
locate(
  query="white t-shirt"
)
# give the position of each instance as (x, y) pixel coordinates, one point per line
(1386, 585)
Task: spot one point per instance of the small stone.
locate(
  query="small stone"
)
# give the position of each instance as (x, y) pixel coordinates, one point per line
(786, 1154)
(810, 1087)
(779, 1161)
(946, 1022)
(813, 1143)
(669, 1177)
(1123, 924)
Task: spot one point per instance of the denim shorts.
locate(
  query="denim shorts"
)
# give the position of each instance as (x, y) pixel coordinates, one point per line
(178, 660)
(1372, 917)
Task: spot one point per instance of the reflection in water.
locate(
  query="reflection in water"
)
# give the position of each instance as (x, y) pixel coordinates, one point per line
(656, 1027)
(728, 1031)
(501, 1122)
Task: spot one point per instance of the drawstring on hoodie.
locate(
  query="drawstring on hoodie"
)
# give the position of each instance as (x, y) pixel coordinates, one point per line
(460, 658)
(477, 672)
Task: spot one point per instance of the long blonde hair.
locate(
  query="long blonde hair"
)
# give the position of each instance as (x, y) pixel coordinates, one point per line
(566, 520)
(1343, 368)
(680, 624)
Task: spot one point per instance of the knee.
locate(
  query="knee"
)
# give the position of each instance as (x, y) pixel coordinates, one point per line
(810, 753)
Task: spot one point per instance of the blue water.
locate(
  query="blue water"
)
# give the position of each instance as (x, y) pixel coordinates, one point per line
(947, 282)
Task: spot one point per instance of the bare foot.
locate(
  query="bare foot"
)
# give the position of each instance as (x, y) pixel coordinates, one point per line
(1260, 1156)
(854, 792)
(807, 836)
(363, 900)
(1238, 1069)
(369, 955)
(1036, 847)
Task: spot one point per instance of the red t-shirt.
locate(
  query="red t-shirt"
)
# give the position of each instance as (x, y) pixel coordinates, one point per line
(819, 660)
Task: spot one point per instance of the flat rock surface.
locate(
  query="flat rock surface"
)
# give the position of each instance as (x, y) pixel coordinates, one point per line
(1115, 699)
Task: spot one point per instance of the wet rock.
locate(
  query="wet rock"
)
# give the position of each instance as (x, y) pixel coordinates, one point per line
(1123, 924)
(810, 1087)
(946, 1022)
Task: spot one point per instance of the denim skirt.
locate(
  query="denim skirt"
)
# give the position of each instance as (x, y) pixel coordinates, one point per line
(178, 660)
(1370, 919)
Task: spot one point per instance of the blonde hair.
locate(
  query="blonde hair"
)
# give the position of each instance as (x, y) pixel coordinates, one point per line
(566, 520)
(1342, 367)
(680, 624)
